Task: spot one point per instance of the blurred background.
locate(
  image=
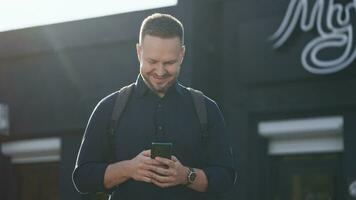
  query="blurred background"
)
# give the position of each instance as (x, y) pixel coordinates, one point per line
(288, 96)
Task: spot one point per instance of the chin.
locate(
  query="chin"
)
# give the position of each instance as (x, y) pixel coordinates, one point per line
(161, 89)
(162, 86)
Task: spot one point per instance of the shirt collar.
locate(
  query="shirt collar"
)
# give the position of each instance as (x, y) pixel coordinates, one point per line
(142, 89)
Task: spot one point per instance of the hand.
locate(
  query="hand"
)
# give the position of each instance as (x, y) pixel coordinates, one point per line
(168, 173)
(141, 167)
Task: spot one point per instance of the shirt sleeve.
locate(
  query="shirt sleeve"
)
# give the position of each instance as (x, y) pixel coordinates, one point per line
(92, 159)
(220, 167)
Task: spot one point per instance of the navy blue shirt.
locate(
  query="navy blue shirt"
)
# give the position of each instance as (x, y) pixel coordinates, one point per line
(149, 118)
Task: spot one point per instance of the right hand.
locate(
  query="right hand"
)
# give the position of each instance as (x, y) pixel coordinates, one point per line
(141, 167)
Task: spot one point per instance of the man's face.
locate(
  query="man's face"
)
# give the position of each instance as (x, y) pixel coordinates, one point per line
(160, 60)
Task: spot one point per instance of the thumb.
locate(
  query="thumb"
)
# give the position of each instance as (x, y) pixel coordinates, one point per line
(175, 159)
(146, 153)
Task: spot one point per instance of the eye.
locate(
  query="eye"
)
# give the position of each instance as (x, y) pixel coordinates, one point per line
(151, 61)
(170, 62)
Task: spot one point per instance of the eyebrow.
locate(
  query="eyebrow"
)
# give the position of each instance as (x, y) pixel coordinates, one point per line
(169, 61)
(150, 59)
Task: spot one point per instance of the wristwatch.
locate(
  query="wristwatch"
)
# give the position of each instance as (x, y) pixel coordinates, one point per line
(191, 176)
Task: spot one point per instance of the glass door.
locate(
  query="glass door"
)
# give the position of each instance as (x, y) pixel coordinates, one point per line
(306, 177)
(37, 181)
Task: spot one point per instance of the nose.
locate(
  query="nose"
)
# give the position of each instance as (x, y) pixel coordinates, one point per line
(160, 70)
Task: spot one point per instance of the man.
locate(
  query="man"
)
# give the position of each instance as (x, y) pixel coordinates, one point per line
(159, 110)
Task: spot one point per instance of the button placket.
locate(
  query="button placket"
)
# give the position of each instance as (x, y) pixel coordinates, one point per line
(159, 105)
(159, 119)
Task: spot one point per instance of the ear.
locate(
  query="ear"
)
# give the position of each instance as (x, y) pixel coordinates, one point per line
(182, 53)
(138, 51)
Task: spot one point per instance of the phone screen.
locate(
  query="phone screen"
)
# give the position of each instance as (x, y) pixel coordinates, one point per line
(163, 150)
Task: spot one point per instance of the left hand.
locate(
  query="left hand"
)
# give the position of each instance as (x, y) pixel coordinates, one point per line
(170, 173)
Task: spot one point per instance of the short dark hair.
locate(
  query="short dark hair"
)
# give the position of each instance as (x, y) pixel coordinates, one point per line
(163, 26)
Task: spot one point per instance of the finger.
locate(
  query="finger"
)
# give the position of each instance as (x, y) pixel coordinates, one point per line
(152, 168)
(147, 167)
(146, 179)
(145, 175)
(162, 171)
(149, 161)
(162, 185)
(175, 159)
(162, 179)
(165, 161)
(146, 153)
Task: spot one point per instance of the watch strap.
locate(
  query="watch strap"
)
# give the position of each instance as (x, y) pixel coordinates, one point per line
(190, 176)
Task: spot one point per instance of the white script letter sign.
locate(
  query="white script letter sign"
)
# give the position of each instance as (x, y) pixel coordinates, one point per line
(334, 24)
(4, 119)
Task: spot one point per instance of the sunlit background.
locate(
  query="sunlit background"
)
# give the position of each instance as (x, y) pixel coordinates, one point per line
(293, 131)
(18, 14)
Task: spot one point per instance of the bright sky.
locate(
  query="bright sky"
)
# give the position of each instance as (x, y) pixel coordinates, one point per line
(18, 14)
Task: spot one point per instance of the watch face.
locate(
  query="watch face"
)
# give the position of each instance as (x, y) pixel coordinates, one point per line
(192, 176)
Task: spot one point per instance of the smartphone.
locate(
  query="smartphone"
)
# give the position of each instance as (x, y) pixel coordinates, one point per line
(160, 149)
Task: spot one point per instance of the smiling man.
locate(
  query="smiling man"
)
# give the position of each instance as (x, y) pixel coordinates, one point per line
(160, 61)
(159, 109)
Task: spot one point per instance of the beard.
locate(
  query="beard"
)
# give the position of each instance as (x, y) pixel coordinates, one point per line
(159, 88)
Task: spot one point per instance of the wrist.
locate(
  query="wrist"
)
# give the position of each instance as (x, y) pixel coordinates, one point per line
(127, 168)
(115, 174)
(190, 176)
(186, 173)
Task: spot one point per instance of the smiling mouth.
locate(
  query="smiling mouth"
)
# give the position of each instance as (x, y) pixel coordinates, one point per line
(160, 78)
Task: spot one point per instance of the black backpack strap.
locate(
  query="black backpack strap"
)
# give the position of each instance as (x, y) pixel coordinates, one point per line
(201, 111)
(122, 98)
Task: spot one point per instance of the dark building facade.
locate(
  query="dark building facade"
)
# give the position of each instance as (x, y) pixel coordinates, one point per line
(288, 100)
